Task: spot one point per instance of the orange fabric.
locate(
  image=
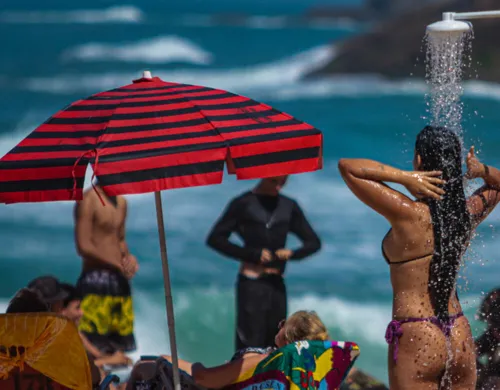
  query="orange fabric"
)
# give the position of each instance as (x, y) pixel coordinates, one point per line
(29, 379)
(48, 343)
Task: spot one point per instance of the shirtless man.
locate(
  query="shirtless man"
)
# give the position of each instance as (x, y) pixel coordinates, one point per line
(108, 317)
(263, 218)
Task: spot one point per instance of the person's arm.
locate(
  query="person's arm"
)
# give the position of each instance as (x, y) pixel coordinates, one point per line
(90, 348)
(123, 243)
(486, 198)
(84, 216)
(301, 227)
(365, 178)
(129, 262)
(184, 365)
(219, 376)
(116, 359)
(224, 375)
(218, 239)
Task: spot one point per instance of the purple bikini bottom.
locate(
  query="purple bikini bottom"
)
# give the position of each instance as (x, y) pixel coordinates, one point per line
(394, 332)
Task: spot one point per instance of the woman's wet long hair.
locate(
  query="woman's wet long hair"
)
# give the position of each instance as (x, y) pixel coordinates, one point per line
(440, 149)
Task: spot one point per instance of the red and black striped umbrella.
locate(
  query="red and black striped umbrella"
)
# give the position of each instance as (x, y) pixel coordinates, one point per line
(154, 135)
(150, 136)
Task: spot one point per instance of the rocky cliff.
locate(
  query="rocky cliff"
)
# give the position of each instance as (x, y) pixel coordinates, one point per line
(395, 49)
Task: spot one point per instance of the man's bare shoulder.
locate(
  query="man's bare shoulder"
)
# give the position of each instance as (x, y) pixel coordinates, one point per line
(85, 207)
(88, 201)
(89, 195)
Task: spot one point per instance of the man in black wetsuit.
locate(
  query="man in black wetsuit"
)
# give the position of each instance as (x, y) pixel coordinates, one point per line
(262, 218)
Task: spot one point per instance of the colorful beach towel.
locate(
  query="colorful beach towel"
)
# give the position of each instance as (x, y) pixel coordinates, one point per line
(304, 365)
(308, 365)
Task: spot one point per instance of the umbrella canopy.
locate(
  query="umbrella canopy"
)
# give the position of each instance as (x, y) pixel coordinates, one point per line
(154, 135)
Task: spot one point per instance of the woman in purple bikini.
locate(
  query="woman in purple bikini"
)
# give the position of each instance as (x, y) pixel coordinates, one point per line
(430, 342)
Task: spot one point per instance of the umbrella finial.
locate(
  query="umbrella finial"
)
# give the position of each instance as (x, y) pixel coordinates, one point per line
(147, 74)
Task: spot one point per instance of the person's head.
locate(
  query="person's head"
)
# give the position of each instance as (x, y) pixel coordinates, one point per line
(51, 291)
(71, 305)
(301, 325)
(489, 311)
(27, 301)
(440, 149)
(272, 185)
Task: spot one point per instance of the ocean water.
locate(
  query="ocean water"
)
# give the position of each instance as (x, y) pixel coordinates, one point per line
(55, 52)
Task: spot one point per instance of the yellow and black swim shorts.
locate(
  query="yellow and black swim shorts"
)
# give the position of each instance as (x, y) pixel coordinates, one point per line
(108, 316)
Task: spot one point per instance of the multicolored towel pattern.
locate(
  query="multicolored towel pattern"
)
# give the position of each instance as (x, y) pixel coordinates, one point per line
(304, 365)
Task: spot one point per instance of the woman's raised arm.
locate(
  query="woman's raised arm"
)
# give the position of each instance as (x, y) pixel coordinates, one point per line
(486, 198)
(366, 178)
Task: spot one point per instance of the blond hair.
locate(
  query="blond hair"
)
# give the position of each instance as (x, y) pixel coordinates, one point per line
(305, 325)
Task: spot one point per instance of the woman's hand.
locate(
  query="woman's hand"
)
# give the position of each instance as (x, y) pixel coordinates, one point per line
(423, 184)
(475, 168)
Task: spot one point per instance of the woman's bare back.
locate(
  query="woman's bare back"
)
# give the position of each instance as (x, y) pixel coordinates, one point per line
(409, 248)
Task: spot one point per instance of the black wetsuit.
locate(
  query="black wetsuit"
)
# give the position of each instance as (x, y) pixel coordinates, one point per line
(262, 222)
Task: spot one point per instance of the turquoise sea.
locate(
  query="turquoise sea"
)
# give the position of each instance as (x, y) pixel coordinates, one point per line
(54, 52)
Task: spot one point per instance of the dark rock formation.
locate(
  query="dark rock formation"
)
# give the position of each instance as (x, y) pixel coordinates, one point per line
(357, 14)
(395, 48)
(370, 11)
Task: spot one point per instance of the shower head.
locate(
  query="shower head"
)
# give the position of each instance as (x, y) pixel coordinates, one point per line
(448, 26)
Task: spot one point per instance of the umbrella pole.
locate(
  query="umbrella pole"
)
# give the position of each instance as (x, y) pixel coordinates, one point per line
(168, 291)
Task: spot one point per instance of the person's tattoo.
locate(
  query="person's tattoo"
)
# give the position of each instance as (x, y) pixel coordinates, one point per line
(382, 168)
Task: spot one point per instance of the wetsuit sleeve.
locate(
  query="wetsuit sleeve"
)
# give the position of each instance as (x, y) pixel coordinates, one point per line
(303, 230)
(218, 239)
